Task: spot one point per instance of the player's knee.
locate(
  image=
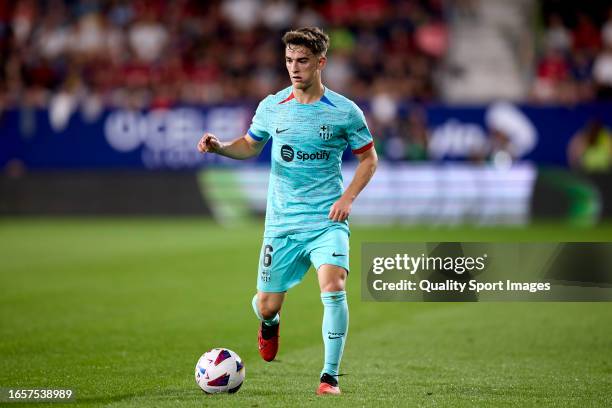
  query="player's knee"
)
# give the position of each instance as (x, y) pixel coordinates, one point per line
(267, 309)
(332, 278)
(333, 285)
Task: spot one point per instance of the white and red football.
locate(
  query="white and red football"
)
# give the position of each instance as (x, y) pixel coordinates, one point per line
(219, 370)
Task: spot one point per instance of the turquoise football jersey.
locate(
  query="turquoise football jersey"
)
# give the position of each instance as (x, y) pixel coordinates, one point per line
(307, 145)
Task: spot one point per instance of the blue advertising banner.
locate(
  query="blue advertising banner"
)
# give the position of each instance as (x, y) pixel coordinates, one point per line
(166, 139)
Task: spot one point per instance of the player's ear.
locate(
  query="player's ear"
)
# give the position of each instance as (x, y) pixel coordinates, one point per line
(322, 61)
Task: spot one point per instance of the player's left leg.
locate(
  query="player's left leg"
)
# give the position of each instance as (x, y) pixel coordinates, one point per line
(329, 253)
(332, 280)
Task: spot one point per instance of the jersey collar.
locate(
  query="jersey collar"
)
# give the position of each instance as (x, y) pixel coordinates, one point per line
(323, 99)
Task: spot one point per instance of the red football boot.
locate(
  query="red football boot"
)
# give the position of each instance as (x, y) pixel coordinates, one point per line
(328, 386)
(267, 337)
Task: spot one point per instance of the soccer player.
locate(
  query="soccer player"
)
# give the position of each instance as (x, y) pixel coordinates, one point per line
(307, 211)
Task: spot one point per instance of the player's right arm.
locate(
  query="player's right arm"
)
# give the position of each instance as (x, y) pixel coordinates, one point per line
(245, 147)
(242, 148)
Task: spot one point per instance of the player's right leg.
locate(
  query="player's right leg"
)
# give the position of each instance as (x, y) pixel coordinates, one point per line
(267, 307)
(282, 265)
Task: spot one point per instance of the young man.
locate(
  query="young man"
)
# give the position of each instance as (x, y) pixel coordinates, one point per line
(307, 211)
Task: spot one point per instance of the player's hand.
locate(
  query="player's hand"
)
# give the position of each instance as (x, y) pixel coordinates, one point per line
(340, 210)
(209, 143)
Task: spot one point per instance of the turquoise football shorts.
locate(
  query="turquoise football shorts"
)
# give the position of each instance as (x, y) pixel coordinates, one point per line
(285, 260)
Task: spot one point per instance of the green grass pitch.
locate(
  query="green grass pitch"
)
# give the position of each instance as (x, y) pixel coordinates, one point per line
(121, 309)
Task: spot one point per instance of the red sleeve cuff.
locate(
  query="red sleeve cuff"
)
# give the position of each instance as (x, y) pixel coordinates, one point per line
(364, 148)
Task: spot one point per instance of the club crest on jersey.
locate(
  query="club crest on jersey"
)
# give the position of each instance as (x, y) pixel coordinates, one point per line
(325, 132)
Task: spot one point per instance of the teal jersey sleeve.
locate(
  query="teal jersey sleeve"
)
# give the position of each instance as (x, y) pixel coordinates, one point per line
(259, 129)
(359, 136)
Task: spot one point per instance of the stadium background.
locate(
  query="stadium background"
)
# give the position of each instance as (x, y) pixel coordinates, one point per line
(125, 254)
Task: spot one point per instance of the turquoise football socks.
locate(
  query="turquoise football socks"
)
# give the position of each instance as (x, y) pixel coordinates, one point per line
(335, 328)
(270, 322)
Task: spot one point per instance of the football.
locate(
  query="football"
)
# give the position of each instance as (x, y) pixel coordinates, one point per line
(219, 370)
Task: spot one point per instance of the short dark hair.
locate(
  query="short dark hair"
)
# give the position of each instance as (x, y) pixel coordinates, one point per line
(312, 38)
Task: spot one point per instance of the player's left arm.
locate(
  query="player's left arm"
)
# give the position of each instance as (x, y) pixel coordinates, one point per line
(368, 161)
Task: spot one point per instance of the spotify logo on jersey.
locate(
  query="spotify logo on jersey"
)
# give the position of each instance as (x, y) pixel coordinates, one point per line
(287, 153)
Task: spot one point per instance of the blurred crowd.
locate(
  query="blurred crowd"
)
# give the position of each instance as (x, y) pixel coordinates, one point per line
(156, 53)
(575, 59)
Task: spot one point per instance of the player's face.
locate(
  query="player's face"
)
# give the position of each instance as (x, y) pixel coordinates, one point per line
(303, 66)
